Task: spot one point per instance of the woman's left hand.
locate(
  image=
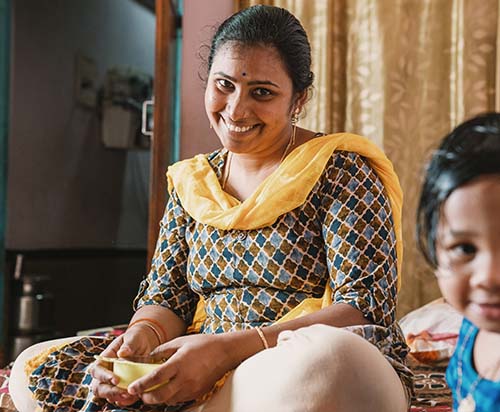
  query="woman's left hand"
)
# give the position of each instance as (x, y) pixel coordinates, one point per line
(195, 363)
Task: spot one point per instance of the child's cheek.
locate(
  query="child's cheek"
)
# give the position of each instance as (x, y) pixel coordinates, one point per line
(455, 291)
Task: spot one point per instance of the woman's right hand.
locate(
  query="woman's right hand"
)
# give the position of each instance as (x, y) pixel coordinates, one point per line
(139, 340)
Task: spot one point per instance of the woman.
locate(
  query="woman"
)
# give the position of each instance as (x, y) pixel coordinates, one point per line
(283, 239)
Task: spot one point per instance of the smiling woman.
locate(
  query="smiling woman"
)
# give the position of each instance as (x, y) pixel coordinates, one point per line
(278, 252)
(252, 114)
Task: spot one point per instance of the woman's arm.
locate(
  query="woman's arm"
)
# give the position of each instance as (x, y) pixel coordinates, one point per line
(164, 304)
(196, 362)
(165, 324)
(243, 344)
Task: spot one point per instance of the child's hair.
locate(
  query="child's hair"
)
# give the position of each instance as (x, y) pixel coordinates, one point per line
(471, 150)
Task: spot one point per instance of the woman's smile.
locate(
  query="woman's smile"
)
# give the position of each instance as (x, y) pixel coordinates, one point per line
(249, 100)
(239, 128)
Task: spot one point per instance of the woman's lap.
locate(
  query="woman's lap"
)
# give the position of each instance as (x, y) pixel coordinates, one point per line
(18, 383)
(317, 368)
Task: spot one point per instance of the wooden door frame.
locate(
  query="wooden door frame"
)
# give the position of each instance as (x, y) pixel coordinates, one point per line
(163, 117)
(5, 16)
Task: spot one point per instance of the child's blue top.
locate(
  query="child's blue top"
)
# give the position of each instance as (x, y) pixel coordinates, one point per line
(487, 393)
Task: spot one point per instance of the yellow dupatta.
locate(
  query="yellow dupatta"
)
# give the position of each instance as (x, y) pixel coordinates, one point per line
(202, 197)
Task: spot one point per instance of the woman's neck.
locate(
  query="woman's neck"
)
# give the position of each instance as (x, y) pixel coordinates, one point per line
(243, 173)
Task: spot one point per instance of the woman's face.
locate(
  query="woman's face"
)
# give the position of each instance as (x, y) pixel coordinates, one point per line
(468, 251)
(249, 98)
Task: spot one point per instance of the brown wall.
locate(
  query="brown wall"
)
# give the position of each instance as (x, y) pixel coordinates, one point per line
(200, 19)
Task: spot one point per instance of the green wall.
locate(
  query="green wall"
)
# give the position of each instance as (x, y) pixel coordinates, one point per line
(4, 116)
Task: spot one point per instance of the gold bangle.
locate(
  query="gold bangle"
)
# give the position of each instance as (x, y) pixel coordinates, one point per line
(157, 334)
(262, 337)
(151, 323)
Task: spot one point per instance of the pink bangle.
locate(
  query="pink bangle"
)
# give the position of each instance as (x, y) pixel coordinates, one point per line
(153, 325)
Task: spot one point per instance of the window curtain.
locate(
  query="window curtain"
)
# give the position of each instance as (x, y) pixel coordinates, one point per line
(402, 73)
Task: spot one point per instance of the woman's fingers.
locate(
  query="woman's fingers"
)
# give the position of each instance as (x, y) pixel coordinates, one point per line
(164, 394)
(113, 394)
(102, 374)
(166, 350)
(163, 376)
(104, 386)
(113, 347)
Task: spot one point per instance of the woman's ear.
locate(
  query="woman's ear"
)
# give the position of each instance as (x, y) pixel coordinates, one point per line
(299, 102)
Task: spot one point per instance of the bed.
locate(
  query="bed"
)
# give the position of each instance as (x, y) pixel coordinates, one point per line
(431, 332)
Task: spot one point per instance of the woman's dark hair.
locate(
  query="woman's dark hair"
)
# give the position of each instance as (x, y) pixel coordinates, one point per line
(269, 26)
(471, 150)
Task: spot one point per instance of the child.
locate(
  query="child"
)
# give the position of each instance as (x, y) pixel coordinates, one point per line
(458, 229)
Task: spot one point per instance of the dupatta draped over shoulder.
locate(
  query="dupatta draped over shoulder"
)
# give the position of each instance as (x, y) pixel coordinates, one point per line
(202, 196)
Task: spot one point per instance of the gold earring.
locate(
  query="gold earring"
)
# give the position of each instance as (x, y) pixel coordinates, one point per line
(295, 117)
(211, 125)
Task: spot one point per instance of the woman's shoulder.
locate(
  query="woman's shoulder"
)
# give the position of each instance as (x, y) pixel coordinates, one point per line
(215, 159)
(344, 163)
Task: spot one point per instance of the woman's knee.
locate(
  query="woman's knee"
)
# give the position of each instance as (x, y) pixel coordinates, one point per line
(319, 368)
(347, 371)
(18, 382)
(326, 348)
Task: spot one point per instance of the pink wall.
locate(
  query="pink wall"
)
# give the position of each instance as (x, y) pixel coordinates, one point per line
(200, 19)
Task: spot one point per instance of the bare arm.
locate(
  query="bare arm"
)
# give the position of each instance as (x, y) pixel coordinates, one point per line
(172, 325)
(243, 344)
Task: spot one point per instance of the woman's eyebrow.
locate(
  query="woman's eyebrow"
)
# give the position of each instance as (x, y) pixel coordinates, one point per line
(268, 82)
(250, 83)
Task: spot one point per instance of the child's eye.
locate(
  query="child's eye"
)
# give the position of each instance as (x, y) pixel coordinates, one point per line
(463, 250)
(456, 258)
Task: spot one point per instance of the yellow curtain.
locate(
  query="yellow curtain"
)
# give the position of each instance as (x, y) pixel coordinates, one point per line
(402, 73)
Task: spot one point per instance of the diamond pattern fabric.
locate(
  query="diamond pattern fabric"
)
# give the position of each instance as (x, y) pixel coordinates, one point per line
(342, 234)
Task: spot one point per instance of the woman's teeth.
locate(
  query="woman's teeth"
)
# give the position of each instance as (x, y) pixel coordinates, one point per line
(239, 129)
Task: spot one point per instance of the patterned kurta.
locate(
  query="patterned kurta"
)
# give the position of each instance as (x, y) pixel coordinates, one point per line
(342, 234)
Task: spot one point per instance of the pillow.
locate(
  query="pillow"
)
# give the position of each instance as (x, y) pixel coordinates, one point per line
(432, 331)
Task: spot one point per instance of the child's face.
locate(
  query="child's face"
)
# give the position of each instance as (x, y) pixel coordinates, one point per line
(468, 251)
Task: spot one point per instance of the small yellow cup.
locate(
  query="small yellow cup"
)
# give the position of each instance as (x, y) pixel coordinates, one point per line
(129, 370)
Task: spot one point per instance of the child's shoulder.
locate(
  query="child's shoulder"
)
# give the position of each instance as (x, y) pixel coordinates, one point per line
(467, 333)
(466, 338)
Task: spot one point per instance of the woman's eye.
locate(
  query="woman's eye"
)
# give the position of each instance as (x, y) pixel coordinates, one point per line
(224, 84)
(262, 92)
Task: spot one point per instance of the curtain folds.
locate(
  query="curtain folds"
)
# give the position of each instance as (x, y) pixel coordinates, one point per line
(402, 73)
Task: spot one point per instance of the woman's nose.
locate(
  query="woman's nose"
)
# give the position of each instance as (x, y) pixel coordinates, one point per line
(237, 107)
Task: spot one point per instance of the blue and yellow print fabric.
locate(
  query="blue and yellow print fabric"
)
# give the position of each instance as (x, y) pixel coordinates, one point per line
(342, 235)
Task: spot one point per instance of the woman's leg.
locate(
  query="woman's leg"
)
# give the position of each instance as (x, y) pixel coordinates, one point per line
(18, 382)
(314, 369)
